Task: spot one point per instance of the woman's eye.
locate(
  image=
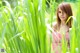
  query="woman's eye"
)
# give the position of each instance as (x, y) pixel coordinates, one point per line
(59, 12)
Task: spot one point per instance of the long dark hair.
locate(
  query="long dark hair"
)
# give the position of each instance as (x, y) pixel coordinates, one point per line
(67, 9)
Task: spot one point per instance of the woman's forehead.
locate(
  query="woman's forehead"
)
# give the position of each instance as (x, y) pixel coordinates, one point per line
(59, 9)
(62, 9)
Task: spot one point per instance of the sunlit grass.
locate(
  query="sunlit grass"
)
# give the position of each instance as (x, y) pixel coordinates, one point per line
(27, 27)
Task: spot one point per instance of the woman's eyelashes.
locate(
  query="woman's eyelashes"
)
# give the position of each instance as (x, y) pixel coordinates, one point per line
(59, 12)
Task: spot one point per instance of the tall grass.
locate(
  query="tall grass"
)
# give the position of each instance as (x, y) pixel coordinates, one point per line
(23, 28)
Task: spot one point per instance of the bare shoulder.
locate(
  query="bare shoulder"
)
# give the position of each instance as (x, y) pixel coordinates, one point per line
(54, 26)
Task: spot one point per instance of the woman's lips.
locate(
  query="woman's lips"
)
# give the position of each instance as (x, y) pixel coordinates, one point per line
(62, 17)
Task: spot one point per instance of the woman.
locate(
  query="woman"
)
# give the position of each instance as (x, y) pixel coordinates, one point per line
(60, 27)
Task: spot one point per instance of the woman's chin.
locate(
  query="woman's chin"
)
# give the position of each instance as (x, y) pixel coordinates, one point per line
(62, 19)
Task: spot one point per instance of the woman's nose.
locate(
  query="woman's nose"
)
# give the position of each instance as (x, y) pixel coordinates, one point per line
(62, 14)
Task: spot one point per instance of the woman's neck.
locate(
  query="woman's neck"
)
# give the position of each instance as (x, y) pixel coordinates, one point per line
(63, 27)
(63, 23)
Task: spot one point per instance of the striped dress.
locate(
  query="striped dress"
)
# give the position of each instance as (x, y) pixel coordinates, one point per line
(57, 45)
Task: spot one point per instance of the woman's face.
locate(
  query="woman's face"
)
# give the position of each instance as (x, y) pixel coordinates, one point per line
(62, 15)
